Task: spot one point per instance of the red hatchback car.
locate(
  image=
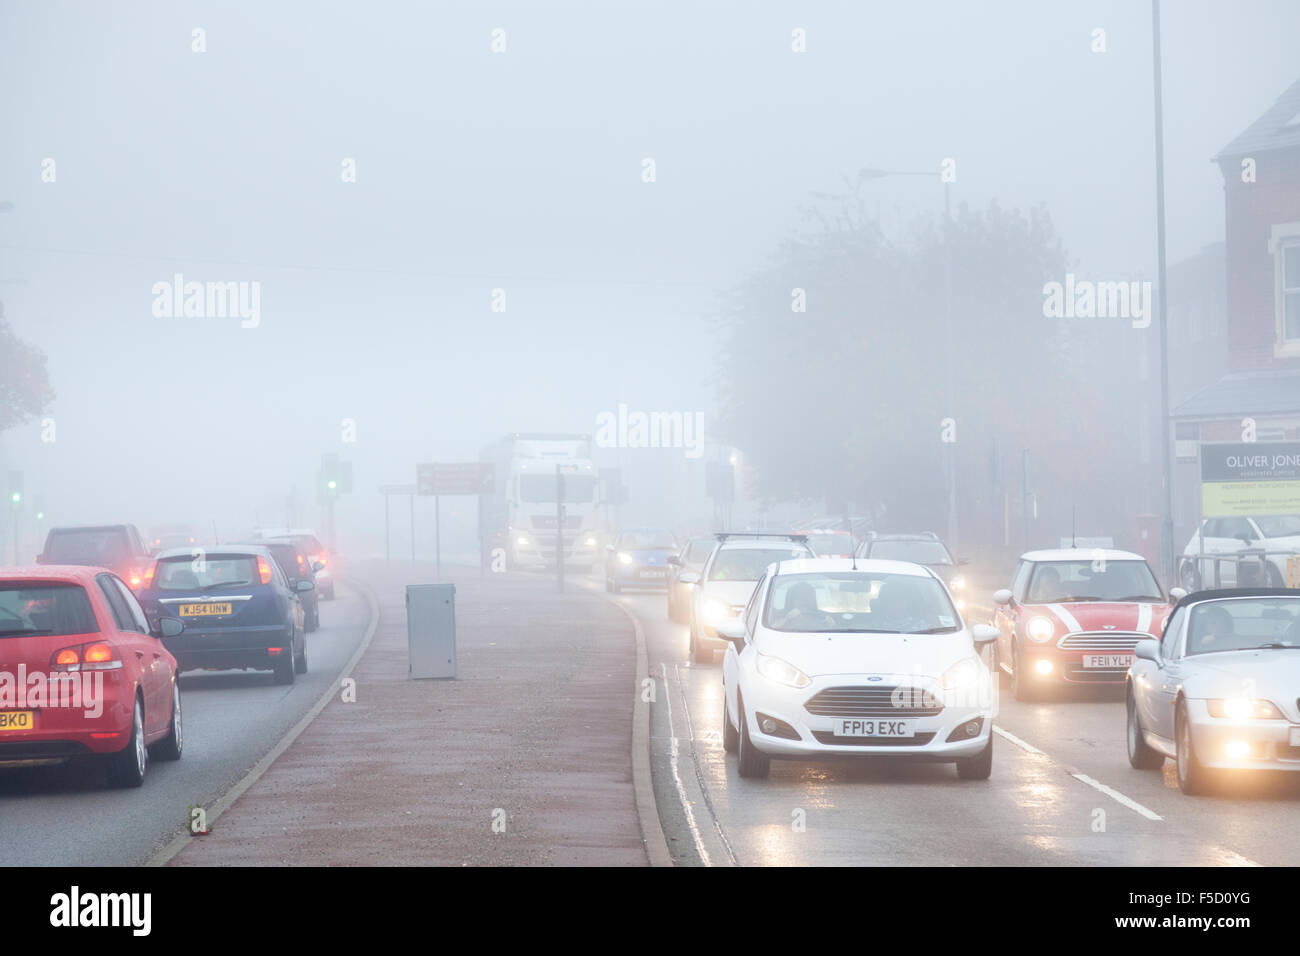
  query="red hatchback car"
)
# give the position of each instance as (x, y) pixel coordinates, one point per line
(82, 676)
(1073, 616)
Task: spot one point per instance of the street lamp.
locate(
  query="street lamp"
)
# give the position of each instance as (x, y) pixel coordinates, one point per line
(871, 172)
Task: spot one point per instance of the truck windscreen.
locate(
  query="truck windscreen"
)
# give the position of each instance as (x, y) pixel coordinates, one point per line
(578, 489)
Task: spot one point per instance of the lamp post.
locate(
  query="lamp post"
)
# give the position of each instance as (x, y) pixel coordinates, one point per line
(950, 457)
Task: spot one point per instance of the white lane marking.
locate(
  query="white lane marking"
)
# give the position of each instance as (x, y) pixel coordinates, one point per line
(1027, 747)
(1068, 619)
(677, 777)
(1117, 796)
(1144, 617)
(1083, 777)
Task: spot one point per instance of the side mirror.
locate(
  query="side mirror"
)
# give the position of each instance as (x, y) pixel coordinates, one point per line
(983, 633)
(317, 566)
(733, 630)
(40, 558)
(1148, 650)
(305, 585)
(690, 577)
(169, 627)
(1177, 594)
(609, 548)
(674, 560)
(1002, 596)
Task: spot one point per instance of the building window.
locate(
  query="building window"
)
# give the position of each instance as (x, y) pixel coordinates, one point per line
(1187, 440)
(1290, 269)
(1284, 246)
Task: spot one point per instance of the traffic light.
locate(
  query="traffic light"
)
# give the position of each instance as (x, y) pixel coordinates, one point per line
(334, 477)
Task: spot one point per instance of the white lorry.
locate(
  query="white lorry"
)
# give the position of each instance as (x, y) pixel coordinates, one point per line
(518, 520)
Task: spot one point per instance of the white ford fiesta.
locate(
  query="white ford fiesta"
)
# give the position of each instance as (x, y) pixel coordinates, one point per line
(835, 657)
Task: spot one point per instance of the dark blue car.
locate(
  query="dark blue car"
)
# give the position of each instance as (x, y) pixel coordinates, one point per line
(238, 607)
(639, 558)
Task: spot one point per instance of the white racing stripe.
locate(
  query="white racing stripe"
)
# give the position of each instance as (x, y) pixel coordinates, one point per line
(1144, 617)
(1068, 619)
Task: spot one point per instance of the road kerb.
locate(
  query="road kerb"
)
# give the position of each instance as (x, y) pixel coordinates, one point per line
(182, 839)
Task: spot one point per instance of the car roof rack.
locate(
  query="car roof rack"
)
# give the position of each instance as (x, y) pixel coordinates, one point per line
(785, 536)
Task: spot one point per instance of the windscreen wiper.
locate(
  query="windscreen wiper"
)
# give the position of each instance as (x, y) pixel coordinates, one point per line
(1275, 644)
(226, 584)
(946, 629)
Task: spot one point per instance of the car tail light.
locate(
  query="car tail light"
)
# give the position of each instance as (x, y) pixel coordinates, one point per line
(320, 558)
(98, 656)
(134, 578)
(148, 575)
(264, 570)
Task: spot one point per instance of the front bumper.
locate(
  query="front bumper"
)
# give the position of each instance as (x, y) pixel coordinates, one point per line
(1269, 744)
(1071, 666)
(640, 575)
(816, 733)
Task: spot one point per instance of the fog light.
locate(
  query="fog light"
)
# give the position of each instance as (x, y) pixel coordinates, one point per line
(1043, 667)
(967, 730)
(769, 726)
(1236, 749)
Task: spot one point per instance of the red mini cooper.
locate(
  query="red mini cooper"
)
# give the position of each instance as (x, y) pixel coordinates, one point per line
(1073, 616)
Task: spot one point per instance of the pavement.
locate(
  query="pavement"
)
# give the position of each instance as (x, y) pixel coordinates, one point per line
(525, 759)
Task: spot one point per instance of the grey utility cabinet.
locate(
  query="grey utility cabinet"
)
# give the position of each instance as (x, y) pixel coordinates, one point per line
(431, 629)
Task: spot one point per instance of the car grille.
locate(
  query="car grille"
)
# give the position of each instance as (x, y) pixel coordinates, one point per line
(826, 737)
(1095, 675)
(548, 522)
(873, 702)
(1101, 641)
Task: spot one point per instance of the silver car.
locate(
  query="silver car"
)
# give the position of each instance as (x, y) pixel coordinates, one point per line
(1218, 692)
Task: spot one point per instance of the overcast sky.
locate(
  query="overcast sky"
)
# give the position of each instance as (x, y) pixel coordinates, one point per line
(522, 171)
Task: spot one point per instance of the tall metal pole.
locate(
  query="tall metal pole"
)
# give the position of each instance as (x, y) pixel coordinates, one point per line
(948, 354)
(413, 527)
(559, 529)
(437, 538)
(1167, 476)
(388, 536)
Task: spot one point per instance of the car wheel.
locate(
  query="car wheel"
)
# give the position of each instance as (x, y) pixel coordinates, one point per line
(1192, 777)
(752, 763)
(126, 767)
(285, 667)
(1021, 689)
(300, 660)
(169, 748)
(730, 736)
(978, 767)
(1004, 679)
(700, 654)
(1189, 576)
(1140, 756)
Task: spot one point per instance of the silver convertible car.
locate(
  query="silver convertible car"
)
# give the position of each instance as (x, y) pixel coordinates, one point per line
(1218, 692)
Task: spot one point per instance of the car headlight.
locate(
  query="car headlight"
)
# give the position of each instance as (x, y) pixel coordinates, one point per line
(1243, 708)
(1039, 629)
(775, 669)
(624, 558)
(590, 542)
(958, 583)
(521, 541)
(962, 674)
(715, 611)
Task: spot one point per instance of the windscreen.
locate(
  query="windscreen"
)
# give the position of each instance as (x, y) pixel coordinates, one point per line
(191, 574)
(859, 603)
(918, 552)
(1234, 625)
(1092, 580)
(33, 609)
(578, 489)
(647, 541)
(103, 548)
(748, 564)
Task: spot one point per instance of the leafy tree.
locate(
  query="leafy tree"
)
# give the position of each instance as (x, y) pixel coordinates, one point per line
(25, 389)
